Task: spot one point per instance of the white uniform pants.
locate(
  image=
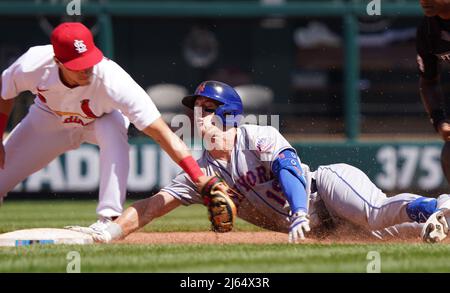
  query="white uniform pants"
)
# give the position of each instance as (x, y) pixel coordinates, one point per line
(41, 137)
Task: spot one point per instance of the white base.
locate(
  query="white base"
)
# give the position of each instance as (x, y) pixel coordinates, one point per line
(44, 236)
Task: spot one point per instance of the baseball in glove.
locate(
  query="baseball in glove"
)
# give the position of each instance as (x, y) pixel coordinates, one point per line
(221, 208)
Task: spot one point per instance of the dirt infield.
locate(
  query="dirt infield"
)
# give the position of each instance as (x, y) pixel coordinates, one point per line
(343, 233)
(205, 238)
(244, 238)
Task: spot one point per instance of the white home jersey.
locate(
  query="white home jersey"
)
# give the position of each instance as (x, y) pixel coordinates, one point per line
(111, 88)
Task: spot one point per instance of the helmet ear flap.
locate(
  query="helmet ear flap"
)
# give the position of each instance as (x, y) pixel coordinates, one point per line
(228, 115)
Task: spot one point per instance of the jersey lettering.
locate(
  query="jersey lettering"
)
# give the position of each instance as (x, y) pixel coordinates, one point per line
(251, 178)
(74, 119)
(275, 197)
(262, 174)
(242, 182)
(276, 185)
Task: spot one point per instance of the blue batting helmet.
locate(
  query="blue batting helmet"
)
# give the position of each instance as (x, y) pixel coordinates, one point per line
(229, 111)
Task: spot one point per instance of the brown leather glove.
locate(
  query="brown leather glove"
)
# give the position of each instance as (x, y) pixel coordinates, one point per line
(221, 208)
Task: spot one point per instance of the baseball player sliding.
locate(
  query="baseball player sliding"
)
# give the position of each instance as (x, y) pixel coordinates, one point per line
(271, 188)
(81, 96)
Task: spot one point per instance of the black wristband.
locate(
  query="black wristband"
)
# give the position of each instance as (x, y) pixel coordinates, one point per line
(437, 117)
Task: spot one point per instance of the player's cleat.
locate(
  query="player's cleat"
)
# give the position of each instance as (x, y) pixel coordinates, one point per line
(436, 227)
(101, 224)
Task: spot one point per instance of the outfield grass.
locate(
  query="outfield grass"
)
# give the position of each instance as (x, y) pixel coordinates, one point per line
(286, 258)
(196, 258)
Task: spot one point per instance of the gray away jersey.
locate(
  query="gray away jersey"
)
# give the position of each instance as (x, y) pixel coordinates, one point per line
(261, 200)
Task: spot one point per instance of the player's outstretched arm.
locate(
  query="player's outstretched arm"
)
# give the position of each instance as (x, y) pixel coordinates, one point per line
(288, 170)
(5, 110)
(144, 211)
(177, 150)
(137, 216)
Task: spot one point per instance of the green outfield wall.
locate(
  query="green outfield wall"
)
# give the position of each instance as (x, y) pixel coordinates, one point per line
(392, 166)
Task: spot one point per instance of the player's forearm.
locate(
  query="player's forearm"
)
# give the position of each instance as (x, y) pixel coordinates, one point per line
(144, 211)
(294, 190)
(433, 100)
(174, 147)
(168, 141)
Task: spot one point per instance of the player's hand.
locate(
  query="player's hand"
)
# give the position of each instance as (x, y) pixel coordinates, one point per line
(102, 236)
(444, 130)
(299, 226)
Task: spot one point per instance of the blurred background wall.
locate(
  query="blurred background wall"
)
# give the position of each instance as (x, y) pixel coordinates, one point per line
(333, 73)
